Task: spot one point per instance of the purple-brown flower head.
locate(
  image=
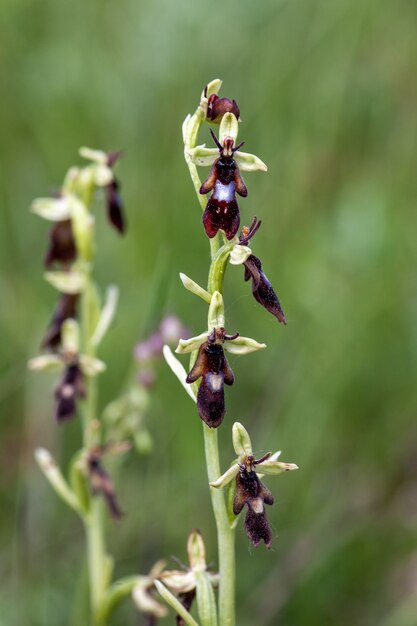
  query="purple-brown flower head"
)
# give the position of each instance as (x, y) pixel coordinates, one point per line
(217, 107)
(62, 248)
(101, 483)
(222, 210)
(66, 309)
(251, 492)
(212, 366)
(70, 388)
(262, 289)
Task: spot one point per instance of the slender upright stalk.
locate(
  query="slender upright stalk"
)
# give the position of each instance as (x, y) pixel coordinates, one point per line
(97, 559)
(225, 535)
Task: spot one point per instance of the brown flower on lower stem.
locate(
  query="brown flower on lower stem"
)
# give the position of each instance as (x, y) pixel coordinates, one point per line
(251, 492)
(101, 483)
(212, 366)
(262, 289)
(66, 309)
(70, 388)
(62, 247)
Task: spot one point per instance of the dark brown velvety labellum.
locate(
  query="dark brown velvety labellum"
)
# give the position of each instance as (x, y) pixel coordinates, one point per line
(252, 493)
(212, 366)
(61, 244)
(66, 309)
(70, 388)
(222, 210)
(262, 289)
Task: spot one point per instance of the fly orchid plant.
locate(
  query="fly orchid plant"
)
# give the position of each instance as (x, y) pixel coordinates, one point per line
(79, 323)
(209, 369)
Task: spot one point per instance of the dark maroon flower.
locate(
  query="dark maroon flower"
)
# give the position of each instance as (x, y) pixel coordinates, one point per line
(217, 107)
(62, 247)
(66, 309)
(212, 366)
(70, 388)
(222, 210)
(251, 492)
(262, 289)
(101, 483)
(115, 208)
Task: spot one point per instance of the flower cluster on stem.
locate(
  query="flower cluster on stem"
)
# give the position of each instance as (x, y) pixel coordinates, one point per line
(209, 369)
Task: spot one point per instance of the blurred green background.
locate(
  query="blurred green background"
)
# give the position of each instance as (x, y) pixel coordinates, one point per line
(328, 98)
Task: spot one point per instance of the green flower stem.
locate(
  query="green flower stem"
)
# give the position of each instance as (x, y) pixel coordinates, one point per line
(225, 534)
(97, 559)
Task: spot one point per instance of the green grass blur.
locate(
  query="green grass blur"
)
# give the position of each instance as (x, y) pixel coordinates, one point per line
(327, 91)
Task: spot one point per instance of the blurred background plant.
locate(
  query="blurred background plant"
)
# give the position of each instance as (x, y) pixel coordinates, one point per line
(330, 91)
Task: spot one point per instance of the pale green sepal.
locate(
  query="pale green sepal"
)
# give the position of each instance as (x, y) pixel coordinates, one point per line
(241, 440)
(175, 604)
(205, 157)
(98, 156)
(82, 222)
(226, 478)
(249, 162)
(206, 603)
(195, 288)
(239, 254)
(196, 551)
(178, 581)
(178, 370)
(213, 87)
(54, 475)
(67, 282)
(190, 129)
(243, 345)
(91, 366)
(189, 345)
(102, 175)
(276, 467)
(70, 333)
(185, 128)
(145, 602)
(230, 496)
(216, 312)
(46, 363)
(229, 127)
(71, 178)
(52, 209)
(107, 315)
